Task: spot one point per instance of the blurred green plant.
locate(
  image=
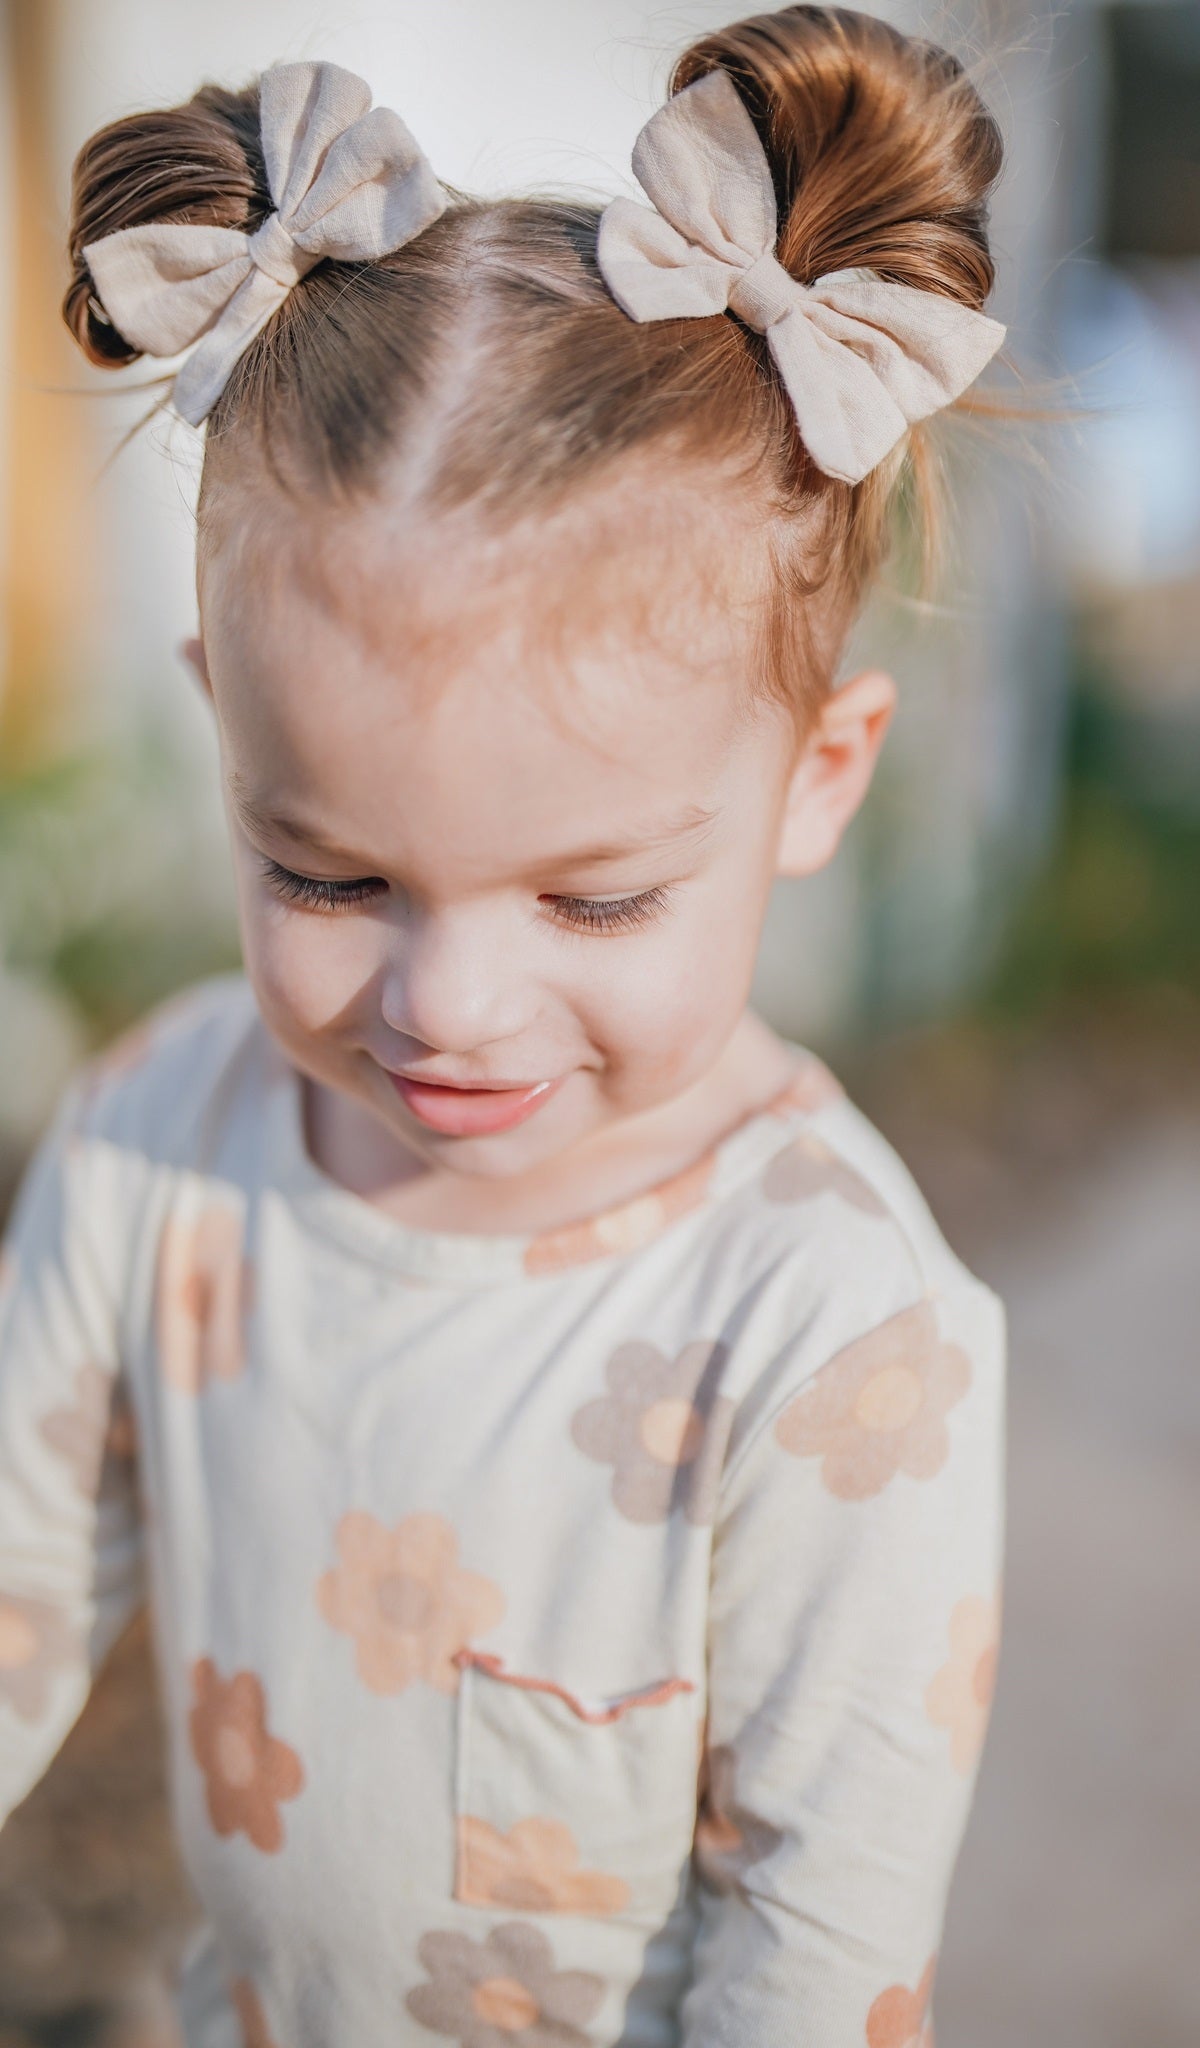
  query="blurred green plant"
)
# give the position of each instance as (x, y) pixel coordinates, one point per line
(1116, 911)
(106, 894)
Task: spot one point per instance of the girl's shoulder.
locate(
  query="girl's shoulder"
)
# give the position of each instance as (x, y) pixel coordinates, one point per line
(846, 1152)
(157, 1088)
(812, 1185)
(825, 1258)
(154, 1108)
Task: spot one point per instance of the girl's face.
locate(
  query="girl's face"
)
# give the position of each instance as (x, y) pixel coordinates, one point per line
(502, 818)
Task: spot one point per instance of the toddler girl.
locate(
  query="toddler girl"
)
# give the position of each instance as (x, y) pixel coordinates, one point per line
(562, 1457)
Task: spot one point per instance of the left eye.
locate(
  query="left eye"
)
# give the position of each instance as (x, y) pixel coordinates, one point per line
(317, 895)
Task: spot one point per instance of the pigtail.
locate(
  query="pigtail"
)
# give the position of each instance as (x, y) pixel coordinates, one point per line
(884, 158)
(199, 163)
(882, 152)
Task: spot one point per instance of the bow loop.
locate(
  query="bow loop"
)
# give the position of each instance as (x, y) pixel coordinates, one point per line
(641, 254)
(861, 359)
(700, 161)
(302, 110)
(348, 181)
(375, 191)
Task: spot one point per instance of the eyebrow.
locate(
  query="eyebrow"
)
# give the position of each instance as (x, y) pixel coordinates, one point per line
(258, 817)
(692, 823)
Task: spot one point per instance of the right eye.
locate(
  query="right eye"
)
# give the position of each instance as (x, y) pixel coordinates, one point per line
(319, 895)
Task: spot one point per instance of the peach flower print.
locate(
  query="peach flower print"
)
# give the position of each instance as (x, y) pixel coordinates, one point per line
(503, 1991)
(534, 1868)
(727, 1840)
(812, 1087)
(405, 1599)
(252, 2019)
(879, 1407)
(899, 2017)
(97, 1424)
(204, 1287)
(36, 1643)
(247, 1771)
(808, 1167)
(662, 1426)
(959, 1696)
(625, 1228)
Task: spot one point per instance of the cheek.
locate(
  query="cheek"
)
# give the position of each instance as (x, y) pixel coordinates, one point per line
(311, 973)
(665, 1000)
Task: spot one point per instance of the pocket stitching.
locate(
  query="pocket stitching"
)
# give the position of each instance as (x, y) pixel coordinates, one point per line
(654, 1695)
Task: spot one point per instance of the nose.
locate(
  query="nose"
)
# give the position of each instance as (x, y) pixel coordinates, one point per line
(456, 980)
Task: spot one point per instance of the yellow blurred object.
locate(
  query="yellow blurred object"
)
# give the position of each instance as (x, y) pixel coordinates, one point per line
(47, 474)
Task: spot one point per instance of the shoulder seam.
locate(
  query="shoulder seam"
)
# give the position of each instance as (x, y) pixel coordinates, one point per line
(923, 1293)
(890, 1212)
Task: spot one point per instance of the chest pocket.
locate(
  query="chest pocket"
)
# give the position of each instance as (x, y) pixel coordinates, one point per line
(566, 1804)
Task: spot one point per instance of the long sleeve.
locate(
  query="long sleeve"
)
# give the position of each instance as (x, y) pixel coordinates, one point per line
(70, 1539)
(853, 1639)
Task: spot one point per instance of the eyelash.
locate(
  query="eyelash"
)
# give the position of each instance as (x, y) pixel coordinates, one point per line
(579, 913)
(316, 895)
(586, 914)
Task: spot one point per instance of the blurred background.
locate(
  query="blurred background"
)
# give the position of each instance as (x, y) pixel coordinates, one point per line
(1003, 963)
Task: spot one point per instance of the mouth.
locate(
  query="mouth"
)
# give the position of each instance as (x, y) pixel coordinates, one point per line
(471, 1112)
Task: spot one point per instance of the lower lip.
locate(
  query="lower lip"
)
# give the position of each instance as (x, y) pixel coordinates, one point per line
(471, 1112)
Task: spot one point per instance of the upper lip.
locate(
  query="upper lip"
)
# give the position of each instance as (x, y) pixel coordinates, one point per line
(467, 1087)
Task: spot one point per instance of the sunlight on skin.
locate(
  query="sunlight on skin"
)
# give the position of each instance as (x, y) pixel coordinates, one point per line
(464, 719)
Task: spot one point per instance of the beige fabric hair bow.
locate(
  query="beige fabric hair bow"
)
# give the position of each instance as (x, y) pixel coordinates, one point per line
(860, 358)
(348, 182)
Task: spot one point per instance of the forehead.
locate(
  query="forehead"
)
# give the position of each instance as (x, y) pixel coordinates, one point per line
(655, 557)
(373, 663)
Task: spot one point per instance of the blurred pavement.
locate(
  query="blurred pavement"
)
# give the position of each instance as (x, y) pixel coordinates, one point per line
(1074, 1916)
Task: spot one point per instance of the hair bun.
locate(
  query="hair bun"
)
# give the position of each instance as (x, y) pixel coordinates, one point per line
(201, 162)
(882, 152)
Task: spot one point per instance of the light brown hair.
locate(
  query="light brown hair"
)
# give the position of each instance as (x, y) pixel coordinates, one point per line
(490, 343)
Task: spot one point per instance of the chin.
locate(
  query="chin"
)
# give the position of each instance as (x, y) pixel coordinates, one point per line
(506, 1155)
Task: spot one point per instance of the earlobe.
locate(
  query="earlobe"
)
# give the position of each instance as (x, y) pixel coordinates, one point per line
(833, 771)
(193, 653)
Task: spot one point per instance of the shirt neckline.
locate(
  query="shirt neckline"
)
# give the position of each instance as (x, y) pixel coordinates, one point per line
(458, 1258)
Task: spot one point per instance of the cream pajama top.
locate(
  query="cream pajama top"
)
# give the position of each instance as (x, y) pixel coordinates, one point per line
(565, 1640)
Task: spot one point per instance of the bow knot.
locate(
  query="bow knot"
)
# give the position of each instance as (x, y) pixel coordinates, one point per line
(274, 251)
(763, 293)
(860, 358)
(348, 182)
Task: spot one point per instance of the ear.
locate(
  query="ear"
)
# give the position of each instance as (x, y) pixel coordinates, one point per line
(193, 653)
(833, 771)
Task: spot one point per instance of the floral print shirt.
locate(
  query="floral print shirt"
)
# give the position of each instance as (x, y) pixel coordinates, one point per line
(565, 1640)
